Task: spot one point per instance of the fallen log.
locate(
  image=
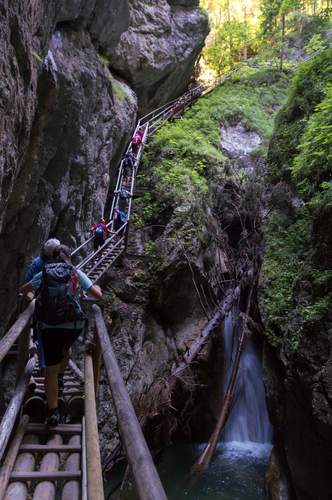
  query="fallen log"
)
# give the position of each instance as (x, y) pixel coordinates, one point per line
(206, 456)
(204, 336)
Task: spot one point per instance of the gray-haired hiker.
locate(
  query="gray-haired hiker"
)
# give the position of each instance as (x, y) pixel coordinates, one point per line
(124, 196)
(37, 266)
(60, 277)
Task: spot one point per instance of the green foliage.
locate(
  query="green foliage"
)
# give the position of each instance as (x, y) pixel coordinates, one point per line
(228, 38)
(185, 170)
(300, 152)
(306, 92)
(315, 43)
(37, 56)
(314, 163)
(104, 60)
(287, 247)
(185, 155)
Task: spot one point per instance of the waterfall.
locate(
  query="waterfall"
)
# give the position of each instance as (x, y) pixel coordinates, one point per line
(248, 420)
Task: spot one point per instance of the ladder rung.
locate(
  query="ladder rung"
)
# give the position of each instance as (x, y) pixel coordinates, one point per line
(65, 429)
(45, 448)
(46, 476)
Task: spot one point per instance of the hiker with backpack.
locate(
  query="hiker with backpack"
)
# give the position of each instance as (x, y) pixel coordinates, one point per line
(119, 219)
(99, 231)
(61, 318)
(136, 140)
(35, 268)
(124, 196)
(128, 165)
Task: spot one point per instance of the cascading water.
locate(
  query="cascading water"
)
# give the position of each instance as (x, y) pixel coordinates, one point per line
(240, 461)
(248, 420)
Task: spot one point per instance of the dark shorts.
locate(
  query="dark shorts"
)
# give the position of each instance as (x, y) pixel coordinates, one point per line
(117, 227)
(98, 242)
(127, 172)
(56, 339)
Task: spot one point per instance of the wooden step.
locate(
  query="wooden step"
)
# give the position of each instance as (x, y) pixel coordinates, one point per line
(46, 476)
(46, 448)
(65, 429)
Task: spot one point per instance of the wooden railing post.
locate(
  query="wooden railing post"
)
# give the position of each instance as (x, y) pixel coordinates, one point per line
(147, 482)
(96, 357)
(93, 463)
(126, 237)
(23, 344)
(9, 418)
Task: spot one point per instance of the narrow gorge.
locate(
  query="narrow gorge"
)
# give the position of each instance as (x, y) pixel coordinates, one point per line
(238, 187)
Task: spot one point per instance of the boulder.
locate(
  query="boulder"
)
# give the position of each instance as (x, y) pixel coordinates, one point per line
(157, 53)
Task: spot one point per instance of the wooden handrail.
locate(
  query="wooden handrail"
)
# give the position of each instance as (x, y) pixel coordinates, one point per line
(10, 337)
(9, 418)
(146, 480)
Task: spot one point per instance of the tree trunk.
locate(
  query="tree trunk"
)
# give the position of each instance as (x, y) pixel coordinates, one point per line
(282, 41)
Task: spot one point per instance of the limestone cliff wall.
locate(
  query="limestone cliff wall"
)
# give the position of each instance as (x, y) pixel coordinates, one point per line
(65, 120)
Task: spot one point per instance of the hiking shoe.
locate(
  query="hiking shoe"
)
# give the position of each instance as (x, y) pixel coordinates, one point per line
(52, 422)
(41, 372)
(61, 385)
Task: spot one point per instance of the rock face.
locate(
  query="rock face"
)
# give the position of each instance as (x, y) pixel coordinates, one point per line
(298, 397)
(66, 119)
(237, 144)
(157, 53)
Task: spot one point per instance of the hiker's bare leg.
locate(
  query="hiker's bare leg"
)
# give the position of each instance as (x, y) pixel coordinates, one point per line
(65, 360)
(51, 385)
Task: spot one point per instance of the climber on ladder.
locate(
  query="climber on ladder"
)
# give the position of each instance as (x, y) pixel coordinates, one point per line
(99, 236)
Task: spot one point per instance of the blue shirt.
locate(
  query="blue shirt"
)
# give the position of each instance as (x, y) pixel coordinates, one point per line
(85, 284)
(37, 266)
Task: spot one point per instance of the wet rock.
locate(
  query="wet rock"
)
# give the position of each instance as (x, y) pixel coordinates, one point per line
(278, 482)
(237, 143)
(158, 51)
(299, 403)
(80, 124)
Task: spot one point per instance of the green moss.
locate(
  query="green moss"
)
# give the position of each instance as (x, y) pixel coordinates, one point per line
(185, 169)
(298, 279)
(306, 92)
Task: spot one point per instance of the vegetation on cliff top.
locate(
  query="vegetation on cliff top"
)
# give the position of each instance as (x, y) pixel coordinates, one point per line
(298, 273)
(186, 170)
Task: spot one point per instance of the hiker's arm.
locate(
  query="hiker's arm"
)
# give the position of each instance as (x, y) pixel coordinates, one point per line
(92, 229)
(35, 268)
(27, 288)
(111, 232)
(95, 291)
(32, 285)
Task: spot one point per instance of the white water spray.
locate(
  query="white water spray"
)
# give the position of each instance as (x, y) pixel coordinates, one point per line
(248, 420)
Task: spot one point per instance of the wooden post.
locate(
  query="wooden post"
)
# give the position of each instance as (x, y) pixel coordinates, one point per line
(94, 474)
(96, 359)
(84, 479)
(8, 340)
(9, 418)
(126, 237)
(24, 463)
(2, 395)
(49, 463)
(23, 345)
(71, 489)
(11, 456)
(147, 482)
